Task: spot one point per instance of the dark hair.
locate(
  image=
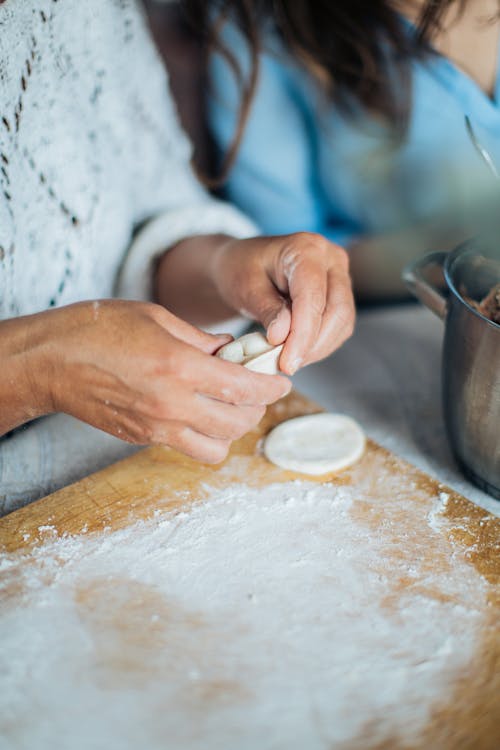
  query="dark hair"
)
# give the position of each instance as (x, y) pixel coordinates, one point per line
(358, 50)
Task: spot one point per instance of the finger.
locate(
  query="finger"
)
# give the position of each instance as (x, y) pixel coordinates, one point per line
(189, 334)
(214, 419)
(220, 420)
(338, 318)
(193, 371)
(264, 303)
(177, 435)
(199, 447)
(279, 328)
(234, 384)
(308, 285)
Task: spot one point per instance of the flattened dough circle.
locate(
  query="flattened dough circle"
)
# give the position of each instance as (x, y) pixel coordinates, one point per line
(315, 444)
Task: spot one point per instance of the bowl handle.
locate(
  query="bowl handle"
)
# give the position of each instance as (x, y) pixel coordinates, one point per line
(421, 287)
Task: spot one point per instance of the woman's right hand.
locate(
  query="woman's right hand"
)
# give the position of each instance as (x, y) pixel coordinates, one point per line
(138, 372)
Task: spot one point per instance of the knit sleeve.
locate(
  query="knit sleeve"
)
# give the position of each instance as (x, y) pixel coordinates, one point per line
(165, 230)
(169, 203)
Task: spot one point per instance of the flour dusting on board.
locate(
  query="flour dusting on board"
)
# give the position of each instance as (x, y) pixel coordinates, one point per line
(271, 618)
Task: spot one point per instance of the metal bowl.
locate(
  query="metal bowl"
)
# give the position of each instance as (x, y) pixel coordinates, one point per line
(447, 283)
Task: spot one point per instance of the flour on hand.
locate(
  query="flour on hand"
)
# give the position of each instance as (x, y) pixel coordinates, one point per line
(315, 444)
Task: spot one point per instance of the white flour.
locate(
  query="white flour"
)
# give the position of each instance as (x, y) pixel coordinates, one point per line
(263, 619)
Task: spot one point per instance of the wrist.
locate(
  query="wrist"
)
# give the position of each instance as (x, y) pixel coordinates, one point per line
(229, 272)
(24, 377)
(219, 258)
(196, 263)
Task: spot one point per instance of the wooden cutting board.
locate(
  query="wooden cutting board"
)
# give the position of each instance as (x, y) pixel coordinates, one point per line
(160, 480)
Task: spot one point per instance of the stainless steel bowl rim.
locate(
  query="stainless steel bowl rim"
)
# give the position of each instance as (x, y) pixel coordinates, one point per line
(468, 245)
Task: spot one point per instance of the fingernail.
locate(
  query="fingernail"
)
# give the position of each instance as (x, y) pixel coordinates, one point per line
(226, 337)
(275, 323)
(295, 365)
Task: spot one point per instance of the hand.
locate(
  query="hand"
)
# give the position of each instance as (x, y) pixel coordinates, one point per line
(137, 372)
(298, 286)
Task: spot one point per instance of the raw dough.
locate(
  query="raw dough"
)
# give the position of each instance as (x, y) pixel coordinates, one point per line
(315, 444)
(267, 362)
(232, 352)
(254, 352)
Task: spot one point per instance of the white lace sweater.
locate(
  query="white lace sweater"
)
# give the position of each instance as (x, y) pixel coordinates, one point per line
(90, 152)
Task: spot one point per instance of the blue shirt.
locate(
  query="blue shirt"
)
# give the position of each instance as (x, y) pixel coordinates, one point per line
(305, 165)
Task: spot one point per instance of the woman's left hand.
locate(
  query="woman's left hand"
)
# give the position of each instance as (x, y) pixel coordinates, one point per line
(297, 286)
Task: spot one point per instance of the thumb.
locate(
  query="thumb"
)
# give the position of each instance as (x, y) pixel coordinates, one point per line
(279, 328)
(205, 342)
(271, 310)
(189, 334)
(209, 342)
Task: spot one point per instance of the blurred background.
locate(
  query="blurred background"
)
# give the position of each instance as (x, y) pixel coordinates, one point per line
(185, 60)
(472, 203)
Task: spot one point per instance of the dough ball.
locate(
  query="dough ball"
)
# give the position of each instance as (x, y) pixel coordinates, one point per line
(254, 343)
(266, 363)
(232, 352)
(254, 352)
(315, 444)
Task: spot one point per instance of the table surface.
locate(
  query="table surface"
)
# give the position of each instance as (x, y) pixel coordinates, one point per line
(257, 619)
(387, 377)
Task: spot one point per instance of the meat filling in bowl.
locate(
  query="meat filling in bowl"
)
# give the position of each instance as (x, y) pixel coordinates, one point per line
(489, 306)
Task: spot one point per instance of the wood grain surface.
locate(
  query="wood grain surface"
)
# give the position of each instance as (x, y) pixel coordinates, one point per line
(158, 478)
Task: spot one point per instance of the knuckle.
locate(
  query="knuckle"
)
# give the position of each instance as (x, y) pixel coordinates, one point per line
(243, 393)
(179, 366)
(152, 310)
(182, 438)
(308, 251)
(316, 244)
(151, 406)
(157, 313)
(268, 310)
(321, 244)
(310, 238)
(342, 259)
(247, 421)
(142, 405)
(143, 433)
(125, 433)
(163, 410)
(179, 437)
(221, 428)
(168, 402)
(255, 390)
